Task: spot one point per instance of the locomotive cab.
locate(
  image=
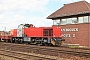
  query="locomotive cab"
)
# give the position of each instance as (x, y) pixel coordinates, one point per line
(54, 35)
(57, 38)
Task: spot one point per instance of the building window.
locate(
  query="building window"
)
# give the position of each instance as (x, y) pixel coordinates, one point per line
(85, 19)
(69, 21)
(89, 18)
(56, 22)
(63, 21)
(74, 20)
(80, 19)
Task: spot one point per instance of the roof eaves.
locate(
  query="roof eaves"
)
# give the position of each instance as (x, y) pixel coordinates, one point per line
(68, 14)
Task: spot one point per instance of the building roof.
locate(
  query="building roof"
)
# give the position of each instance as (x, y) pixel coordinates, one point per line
(71, 9)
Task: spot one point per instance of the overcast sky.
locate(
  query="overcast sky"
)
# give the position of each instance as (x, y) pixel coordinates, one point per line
(15, 12)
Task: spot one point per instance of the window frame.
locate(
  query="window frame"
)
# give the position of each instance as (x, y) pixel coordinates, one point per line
(80, 19)
(70, 22)
(56, 22)
(84, 21)
(64, 23)
(73, 19)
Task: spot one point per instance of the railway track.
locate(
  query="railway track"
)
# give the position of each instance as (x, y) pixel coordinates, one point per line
(78, 53)
(81, 53)
(27, 56)
(53, 51)
(48, 47)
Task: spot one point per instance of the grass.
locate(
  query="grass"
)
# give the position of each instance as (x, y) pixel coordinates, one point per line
(73, 46)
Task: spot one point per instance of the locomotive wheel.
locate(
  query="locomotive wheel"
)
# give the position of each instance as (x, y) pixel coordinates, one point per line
(45, 44)
(12, 40)
(6, 40)
(16, 41)
(21, 41)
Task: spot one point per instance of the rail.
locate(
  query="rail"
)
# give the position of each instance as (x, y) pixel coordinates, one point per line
(45, 50)
(26, 56)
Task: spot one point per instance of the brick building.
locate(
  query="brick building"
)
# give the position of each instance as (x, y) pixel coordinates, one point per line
(74, 20)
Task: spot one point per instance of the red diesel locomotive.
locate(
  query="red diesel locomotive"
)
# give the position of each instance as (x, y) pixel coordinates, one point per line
(27, 33)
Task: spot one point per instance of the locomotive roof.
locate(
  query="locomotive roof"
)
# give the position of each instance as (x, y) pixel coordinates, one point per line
(76, 8)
